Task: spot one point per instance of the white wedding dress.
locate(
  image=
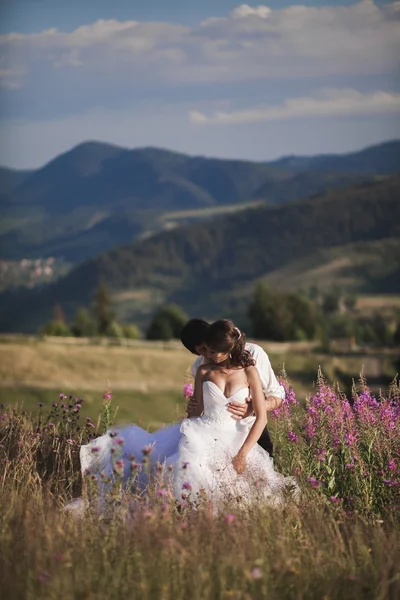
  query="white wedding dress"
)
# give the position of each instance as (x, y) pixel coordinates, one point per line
(198, 452)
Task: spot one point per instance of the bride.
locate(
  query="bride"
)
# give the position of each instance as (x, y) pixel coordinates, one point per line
(210, 453)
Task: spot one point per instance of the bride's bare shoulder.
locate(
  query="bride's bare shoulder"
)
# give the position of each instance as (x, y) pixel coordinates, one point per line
(251, 371)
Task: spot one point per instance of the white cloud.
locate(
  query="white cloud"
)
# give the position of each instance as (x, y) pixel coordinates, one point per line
(244, 10)
(328, 103)
(251, 43)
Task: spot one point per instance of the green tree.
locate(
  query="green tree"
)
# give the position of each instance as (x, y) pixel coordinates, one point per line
(396, 335)
(304, 317)
(57, 328)
(313, 292)
(167, 323)
(83, 324)
(341, 326)
(114, 330)
(269, 314)
(102, 309)
(331, 301)
(350, 301)
(131, 331)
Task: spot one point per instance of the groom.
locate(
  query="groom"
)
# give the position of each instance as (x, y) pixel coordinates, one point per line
(192, 337)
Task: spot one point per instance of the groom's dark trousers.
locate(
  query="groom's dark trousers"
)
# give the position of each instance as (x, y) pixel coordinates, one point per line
(266, 442)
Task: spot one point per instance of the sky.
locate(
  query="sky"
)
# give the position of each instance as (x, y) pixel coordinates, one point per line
(216, 78)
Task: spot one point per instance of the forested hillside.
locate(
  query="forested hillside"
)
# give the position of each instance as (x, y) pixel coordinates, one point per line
(206, 266)
(98, 196)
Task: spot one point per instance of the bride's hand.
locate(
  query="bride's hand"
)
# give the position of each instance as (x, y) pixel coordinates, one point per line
(239, 463)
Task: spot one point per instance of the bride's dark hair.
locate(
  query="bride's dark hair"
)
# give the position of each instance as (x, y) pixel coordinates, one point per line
(224, 336)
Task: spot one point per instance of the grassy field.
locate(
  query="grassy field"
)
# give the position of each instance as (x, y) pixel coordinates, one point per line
(147, 378)
(339, 540)
(351, 267)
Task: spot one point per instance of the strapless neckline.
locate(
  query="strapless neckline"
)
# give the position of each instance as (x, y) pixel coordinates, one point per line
(222, 393)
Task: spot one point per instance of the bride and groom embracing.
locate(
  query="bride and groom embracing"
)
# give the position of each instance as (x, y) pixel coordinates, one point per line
(222, 449)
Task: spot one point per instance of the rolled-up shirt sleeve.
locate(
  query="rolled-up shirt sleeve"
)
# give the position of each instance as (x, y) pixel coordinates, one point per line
(269, 381)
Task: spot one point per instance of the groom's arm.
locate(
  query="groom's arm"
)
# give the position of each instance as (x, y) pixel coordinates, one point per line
(192, 406)
(273, 391)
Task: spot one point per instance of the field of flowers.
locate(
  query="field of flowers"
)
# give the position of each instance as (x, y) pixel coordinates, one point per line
(340, 541)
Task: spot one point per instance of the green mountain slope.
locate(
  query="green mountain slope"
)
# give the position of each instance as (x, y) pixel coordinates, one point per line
(205, 266)
(379, 159)
(98, 196)
(10, 179)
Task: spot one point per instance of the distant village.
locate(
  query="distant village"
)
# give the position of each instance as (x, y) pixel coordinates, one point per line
(30, 272)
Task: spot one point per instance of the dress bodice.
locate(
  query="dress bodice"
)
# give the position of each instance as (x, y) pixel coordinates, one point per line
(215, 403)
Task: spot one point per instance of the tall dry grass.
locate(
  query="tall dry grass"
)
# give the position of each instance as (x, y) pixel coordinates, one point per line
(341, 541)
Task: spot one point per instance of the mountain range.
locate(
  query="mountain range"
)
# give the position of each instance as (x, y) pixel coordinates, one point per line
(97, 196)
(211, 267)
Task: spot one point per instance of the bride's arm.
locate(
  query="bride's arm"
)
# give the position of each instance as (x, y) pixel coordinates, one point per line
(257, 394)
(198, 392)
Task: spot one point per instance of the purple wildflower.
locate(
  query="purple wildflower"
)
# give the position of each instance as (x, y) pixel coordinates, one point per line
(314, 482)
(335, 500)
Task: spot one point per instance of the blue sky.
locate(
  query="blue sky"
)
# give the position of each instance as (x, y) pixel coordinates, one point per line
(27, 16)
(215, 78)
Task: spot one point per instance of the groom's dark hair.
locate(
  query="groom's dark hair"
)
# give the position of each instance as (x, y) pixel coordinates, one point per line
(193, 334)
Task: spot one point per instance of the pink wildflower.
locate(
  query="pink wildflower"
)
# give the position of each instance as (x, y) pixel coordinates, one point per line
(188, 390)
(256, 573)
(229, 518)
(314, 482)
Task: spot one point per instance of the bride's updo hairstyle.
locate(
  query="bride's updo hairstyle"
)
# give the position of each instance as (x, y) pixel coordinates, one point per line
(224, 336)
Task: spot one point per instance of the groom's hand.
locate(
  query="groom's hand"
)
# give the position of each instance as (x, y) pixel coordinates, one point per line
(192, 408)
(239, 410)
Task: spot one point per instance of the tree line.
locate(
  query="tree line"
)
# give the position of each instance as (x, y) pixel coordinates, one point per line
(311, 314)
(322, 315)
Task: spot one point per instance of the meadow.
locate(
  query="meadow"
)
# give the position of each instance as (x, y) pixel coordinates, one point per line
(341, 540)
(147, 377)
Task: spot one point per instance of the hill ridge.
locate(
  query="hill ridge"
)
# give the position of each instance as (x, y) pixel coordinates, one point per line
(203, 264)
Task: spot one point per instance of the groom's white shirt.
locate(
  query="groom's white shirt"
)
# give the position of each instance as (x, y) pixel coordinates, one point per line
(269, 381)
